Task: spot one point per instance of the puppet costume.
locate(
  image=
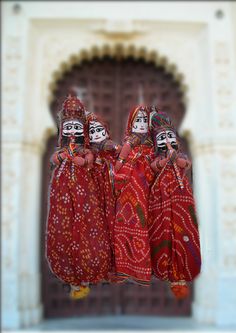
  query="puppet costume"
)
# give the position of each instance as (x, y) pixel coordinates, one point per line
(173, 227)
(77, 238)
(132, 184)
(105, 153)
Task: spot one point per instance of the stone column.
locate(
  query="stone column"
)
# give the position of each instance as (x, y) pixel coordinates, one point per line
(21, 229)
(206, 189)
(22, 147)
(10, 228)
(215, 178)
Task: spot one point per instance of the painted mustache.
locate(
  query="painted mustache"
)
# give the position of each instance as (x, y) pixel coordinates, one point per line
(78, 140)
(74, 134)
(163, 147)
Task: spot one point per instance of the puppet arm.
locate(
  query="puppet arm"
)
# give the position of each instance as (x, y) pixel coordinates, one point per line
(183, 162)
(78, 160)
(171, 153)
(122, 156)
(58, 157)
(112, 146)
(89, 158)
(158, 164)
(84, 161)
(118, 149)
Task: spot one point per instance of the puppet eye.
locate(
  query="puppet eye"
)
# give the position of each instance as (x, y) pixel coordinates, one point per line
(162, 137)
(68, 127)
(170, 135)
(92, 131)
(145, 119)
(99, 129)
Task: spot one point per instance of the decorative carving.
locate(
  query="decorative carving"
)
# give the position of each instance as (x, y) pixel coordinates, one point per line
(223, 72)
(228, 194)
(120, 28)
(116, 50)
(11, 83)
(10, 207)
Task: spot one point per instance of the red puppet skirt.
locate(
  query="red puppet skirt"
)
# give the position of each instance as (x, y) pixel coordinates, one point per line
(132, 250)
(103, 172)
(77, 237)
(173, 229)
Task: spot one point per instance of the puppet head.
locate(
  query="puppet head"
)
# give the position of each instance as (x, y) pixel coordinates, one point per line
(162, 131)
(72, 121)
(138, 121)
(98, 129)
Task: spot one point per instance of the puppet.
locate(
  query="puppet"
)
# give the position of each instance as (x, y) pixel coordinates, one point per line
(105, 153)
(132, 184)
(77, 237)
(173, 228)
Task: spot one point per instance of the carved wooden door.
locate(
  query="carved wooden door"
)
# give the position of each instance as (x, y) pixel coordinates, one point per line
(111, 88)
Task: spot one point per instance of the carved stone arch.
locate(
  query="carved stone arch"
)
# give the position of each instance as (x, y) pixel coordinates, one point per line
(118, 51)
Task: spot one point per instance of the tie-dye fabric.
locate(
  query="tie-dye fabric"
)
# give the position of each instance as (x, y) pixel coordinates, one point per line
(132, 250)
(173, 228)
(77, 237)
(105, 158)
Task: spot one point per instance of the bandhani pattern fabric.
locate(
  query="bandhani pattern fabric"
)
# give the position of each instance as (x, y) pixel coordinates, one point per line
(173, 228)
(77, 236)
(105, 158)
(132, 250)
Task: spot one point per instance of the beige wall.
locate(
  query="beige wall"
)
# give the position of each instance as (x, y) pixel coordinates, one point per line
(233, 13)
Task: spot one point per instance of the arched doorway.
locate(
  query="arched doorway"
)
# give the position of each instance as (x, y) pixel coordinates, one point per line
(111, 88)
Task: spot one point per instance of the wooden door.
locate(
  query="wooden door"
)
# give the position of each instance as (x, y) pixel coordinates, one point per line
(111, 88)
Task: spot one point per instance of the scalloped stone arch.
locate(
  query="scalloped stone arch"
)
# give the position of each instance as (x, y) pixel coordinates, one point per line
(117, 51)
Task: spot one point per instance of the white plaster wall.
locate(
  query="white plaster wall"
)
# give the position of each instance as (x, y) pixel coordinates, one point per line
(35, 43)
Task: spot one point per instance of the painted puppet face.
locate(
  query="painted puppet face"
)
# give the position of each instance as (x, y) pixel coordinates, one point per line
(140, 124)
(163, 137)
(97, 132)
(72, 128)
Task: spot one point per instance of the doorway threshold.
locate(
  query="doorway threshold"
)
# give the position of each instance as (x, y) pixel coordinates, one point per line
(125, 323)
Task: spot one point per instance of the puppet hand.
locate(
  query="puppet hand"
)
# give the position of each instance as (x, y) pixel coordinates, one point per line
(118, 166)
(78, 160)
(158, 164)
(172, 155)
(183, 163)
(154, 166)
(58, 157)
(64, 155)
(118, 149)
(54, 159)
(163, 162)
(90, 165)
